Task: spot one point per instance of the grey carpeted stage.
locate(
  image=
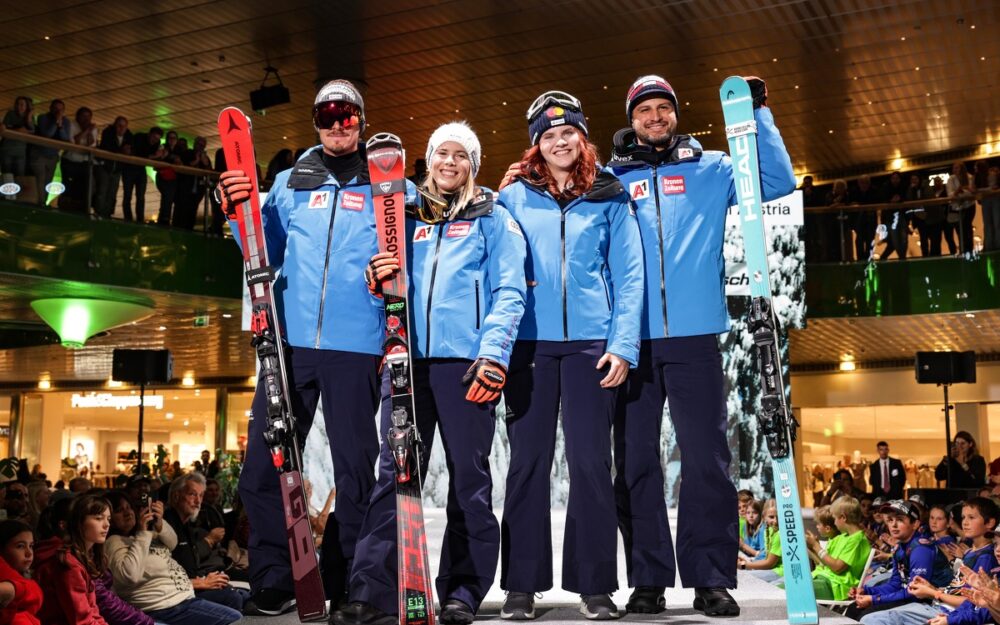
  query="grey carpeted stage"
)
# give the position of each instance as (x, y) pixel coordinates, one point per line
(761, 603)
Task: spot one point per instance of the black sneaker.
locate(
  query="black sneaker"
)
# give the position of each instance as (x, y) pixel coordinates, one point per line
(715, 602)
(269, 602)
(360, 613)
(598, 607)
(455, 612)
(519, 606)
(646, 600)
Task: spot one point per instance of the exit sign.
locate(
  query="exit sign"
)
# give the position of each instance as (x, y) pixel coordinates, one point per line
(201, 321)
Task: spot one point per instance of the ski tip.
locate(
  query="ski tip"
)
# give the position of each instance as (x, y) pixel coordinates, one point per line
(734, 88)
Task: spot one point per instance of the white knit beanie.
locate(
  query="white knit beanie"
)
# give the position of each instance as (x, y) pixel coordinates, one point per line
(460, 133)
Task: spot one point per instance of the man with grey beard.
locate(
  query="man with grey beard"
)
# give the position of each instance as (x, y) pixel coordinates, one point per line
(199, 551)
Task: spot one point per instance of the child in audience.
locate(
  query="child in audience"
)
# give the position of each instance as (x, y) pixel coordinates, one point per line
(20, 597)
(66, 571)
(769, 567)
(979, 519)
(755, 544)
(114, 609)
(841, 563)
(911, 558)
(743, 497)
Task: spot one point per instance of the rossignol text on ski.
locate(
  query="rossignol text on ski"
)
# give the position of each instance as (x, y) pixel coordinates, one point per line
(386, 167)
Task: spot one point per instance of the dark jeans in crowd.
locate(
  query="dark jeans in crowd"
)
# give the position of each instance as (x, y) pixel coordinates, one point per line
(950, 229)
(930, 238)
(965, 241)
(12, 162)
(991, 223)
(864, 233)
(75, 176)
(196, 611)
(897, 224)
(134, 178)
(107, 190)
(218, 217)
(43, 168)
(185, 210)
(168, 195)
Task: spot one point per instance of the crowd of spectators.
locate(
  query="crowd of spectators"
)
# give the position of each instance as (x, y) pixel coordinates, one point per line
(180, 193)
(148, 551)
(853, 235)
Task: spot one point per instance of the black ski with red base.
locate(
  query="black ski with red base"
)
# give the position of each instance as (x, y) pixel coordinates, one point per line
(386, 168)
(280, 434)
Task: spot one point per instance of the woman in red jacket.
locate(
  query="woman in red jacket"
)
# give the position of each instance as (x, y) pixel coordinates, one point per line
(20, 597)
(66, 572)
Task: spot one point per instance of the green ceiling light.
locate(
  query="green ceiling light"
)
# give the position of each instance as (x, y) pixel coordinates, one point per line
(77, 319)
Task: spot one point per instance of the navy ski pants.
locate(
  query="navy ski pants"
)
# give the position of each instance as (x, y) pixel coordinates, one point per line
(472, 536)
(543, 375)
(348, 384)
(687, 373)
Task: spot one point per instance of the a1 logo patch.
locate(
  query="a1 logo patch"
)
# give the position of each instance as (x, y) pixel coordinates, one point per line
(352, 201)
(422, 233)
(672, 185)
(639, 190)
(319, 199)
(458, 230)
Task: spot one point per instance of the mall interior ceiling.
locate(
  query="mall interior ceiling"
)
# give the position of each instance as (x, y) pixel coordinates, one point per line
(851, 81)
(854, 84)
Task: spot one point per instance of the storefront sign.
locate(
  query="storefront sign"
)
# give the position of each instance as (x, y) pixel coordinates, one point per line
(118, 402)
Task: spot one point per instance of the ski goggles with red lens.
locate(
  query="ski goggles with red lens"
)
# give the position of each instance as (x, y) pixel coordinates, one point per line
(327, 114)
(553, 98)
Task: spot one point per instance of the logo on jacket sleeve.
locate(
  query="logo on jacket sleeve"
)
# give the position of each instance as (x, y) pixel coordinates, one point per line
(685, 152)
(319, 199)
(457, 230)
(673, 185)
(422, 233)
(352, 201)
(514, 227)
(639, 190)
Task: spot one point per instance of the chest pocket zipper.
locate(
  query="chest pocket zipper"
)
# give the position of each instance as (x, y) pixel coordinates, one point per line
(477, 303)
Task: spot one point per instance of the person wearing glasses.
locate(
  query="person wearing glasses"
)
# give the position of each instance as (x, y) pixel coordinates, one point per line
(465, 263)
(682, 194)
(319, 224)
(577, 340)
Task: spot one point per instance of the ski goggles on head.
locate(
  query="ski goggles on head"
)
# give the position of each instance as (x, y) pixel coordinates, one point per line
(553, 98)
(327, 114)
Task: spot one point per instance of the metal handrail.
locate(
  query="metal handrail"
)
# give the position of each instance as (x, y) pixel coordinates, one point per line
(912, 204)
(103, 154)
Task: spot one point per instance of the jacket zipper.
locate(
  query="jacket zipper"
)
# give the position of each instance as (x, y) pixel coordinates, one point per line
(477, 303)
(659, 232)
(430, 290)
(562, 236)
(607, 293)
(326, 266)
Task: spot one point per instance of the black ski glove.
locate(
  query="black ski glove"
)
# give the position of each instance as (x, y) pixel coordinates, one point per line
(758, 90)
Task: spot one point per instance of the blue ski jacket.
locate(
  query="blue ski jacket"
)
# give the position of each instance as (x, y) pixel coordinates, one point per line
(320, 236)
(915, 557)
(682, 196)
(584, 265)
(466, 283)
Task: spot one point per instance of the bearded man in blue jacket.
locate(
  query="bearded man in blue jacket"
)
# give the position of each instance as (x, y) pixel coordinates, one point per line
(682, 194)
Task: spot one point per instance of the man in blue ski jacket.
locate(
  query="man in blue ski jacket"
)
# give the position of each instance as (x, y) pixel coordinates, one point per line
(319, 225)
(682, 194)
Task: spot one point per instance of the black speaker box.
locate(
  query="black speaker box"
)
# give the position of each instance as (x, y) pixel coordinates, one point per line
(142, 366)
(946, 367)
(269, 96)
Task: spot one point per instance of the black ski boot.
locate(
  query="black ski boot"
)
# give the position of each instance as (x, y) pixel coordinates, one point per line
(646, 600)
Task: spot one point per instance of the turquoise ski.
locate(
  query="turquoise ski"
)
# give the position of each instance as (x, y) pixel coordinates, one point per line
(775, 418)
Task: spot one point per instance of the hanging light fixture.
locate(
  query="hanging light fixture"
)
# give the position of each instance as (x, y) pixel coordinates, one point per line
(77, 319)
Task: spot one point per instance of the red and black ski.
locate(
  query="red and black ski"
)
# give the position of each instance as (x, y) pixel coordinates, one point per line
(386, 168)
(280, 434)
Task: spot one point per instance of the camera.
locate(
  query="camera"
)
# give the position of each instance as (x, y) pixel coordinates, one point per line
(143, 505)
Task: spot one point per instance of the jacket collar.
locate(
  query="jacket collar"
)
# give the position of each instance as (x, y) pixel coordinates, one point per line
(626, 151)
(606, 186)
(309, 172)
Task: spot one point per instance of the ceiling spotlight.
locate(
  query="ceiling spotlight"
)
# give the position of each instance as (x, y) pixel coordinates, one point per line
(168, 416)
(44, 384)
(187, 422)
(187, 380)
(848, 365)
(227, 316)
